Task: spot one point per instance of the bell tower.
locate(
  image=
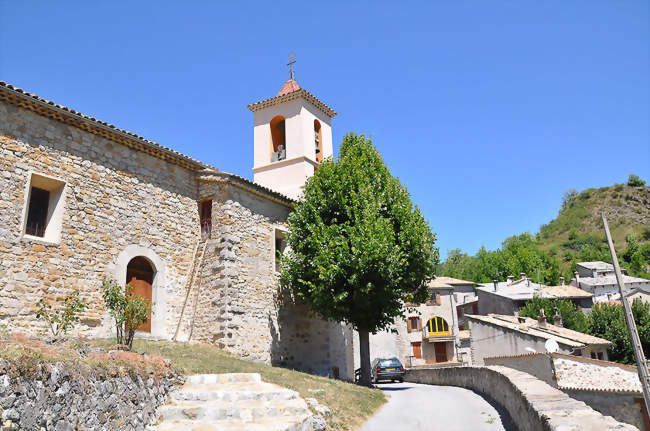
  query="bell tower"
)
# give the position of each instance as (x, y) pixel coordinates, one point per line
(292, 135)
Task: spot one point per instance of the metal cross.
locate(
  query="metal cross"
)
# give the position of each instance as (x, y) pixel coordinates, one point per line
(290, 64)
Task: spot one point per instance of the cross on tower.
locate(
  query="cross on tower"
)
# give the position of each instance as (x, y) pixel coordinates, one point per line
(290, 64)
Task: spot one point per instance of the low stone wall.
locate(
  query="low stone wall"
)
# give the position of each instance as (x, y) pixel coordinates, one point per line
(539, 365)
(532, 404)
(623, 406)
(63, 398)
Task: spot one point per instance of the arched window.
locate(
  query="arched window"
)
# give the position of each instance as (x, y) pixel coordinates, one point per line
(437, 326)
(278, 139)
(318, 141)
(140, 274)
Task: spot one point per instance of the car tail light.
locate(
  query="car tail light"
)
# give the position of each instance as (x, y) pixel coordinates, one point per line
(401, 368)
(379, 370)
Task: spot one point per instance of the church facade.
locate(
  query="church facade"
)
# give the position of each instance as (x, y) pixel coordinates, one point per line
(82, 200)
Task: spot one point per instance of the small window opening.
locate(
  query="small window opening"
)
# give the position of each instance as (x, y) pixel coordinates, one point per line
(278, 139)
(39, 202)
(413, 324)
(318, 141)
(280, 247)
(206, 219)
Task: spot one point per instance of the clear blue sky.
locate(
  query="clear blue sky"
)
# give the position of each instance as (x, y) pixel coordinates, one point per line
(487, 110)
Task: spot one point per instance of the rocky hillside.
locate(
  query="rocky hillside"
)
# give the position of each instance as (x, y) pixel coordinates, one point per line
(577, 232)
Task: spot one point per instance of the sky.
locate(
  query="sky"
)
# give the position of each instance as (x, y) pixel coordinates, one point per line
(486, 111)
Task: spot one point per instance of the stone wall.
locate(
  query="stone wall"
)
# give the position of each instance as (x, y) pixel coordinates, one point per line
(115, 198)
(539, 365)
(622, 406)
(61, 398)
(531, 404)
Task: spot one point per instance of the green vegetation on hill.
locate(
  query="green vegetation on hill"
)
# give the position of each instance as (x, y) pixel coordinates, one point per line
(575, 235)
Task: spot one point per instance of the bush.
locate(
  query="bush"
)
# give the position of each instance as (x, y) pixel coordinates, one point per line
(635, 181)
(64, 316)
(128, 310)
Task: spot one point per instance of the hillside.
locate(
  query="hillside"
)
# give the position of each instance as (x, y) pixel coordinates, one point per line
(577, 232)
(575, 235)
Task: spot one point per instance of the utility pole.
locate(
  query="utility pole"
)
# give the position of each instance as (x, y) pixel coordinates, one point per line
(641, 365)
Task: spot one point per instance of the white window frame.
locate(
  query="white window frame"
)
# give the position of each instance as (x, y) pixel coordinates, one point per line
(56, 207)
(277, 233)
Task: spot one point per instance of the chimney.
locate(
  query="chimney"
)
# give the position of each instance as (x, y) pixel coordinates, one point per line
(496, 284)
(541, 320)
(522, 275)
(528, 282)
(557, 319)
(577, 278)
(562, 281)
(510, 279)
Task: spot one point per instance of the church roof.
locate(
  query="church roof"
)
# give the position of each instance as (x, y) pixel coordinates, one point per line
(289, 87)
(47, 108)
(291, 90)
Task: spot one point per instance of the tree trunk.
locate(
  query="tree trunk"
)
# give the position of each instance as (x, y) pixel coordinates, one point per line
(364, 357)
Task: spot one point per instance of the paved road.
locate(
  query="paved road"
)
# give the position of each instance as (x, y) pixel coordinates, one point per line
(414, 407)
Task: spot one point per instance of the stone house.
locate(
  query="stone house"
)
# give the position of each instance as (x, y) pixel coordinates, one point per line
(509, 296)
(82, 200)
(611, 388)
(505, 335)
(599, 279)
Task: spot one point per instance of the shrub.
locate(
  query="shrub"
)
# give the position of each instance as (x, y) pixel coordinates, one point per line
(64, 316)
(128, 310)
(635, 181)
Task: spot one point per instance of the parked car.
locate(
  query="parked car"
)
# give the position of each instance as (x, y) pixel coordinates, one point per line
(387, 369)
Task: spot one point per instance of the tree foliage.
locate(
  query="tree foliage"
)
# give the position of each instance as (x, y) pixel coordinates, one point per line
(635, 181)
(358, 247)
(128, 310)
(572, 318)
(607, 321)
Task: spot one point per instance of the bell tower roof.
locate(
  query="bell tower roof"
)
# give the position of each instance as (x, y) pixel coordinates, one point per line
(289, 87)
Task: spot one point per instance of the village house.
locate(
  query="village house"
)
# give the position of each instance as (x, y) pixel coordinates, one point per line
(506, 335)
(509, 296)
(82, 200)
(599, 279)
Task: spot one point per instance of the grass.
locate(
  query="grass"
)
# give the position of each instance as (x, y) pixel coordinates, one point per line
(351, 405)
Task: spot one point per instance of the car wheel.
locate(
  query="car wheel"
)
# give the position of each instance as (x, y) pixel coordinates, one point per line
(401, 380)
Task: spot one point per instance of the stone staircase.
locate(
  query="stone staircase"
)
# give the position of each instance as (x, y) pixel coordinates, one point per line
(210, 402)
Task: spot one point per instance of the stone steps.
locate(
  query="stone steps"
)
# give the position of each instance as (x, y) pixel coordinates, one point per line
(238, 401)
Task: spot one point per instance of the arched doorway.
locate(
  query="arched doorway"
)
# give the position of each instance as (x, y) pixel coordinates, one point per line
(140, 275)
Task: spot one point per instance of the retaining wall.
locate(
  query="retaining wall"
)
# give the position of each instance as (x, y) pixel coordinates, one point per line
(531, 403)
(61, 398)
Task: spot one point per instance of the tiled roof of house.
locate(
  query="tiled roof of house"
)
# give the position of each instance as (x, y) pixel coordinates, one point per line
(236, 180)
(47, 108)
(565, 291)
(440, 285)
(598, 265)
(285, 95)
(609, 280)
(452, 281)
(531, 327)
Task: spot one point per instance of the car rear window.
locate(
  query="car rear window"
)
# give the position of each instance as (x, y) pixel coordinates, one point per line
(390, 363)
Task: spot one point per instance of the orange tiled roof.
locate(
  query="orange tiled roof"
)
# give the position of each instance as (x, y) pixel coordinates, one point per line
(289, 87)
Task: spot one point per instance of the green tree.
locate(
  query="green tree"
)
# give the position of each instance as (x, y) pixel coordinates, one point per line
(568, 198)
(358, 248)
(128, 310)
(607, 321)
(635, 181)
(572, 318)
(63, 316)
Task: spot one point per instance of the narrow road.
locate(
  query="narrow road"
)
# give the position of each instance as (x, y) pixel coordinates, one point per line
(416, 407)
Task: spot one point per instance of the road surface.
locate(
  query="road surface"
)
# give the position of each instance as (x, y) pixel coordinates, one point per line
(415, 407)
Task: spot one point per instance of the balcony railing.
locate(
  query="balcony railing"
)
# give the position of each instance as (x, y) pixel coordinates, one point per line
(441, 335)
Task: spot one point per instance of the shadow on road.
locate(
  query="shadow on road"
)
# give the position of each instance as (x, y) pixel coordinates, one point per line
(392, 388)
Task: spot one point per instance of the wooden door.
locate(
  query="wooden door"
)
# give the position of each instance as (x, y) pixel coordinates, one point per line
(417, 349)
(441, 352)
(142, 288)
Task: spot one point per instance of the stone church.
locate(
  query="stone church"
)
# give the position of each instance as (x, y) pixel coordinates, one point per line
(81, 199)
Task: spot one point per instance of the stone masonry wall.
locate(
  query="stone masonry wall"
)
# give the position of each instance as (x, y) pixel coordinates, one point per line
(532, 404)
(115, 197)
(60, 398)
(624, 407)
(239, 306)
(539, 365)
